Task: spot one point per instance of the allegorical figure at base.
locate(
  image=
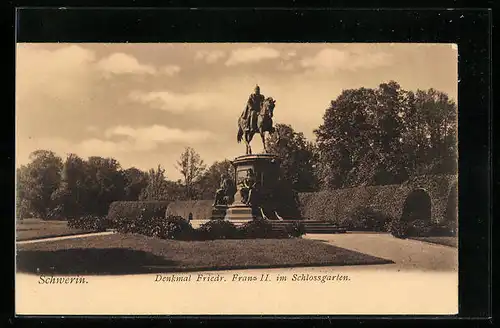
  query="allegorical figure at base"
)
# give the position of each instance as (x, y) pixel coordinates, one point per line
(248, 188)
(224, 195)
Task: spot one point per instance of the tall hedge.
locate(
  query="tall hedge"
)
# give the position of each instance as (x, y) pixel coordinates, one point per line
(320, 205)
(338, 205)
(387, 199)
(132, 209)
(200, 209)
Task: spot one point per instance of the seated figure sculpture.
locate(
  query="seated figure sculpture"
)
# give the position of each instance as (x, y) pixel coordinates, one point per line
(248, 188)
(223, 195)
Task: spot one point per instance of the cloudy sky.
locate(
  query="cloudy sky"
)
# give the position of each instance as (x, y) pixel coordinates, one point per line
(143, 103)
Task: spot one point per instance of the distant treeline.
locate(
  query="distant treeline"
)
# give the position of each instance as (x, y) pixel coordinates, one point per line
(368, 137)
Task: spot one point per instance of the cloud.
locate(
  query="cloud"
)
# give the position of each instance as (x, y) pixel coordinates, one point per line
(99, 147)
(210, 57)
(290, 54)
(133, 140)
(251, 55)
(170, 70)
(177, 102)
(62, 73)
(120, 63)
(333, 59)
(288, 66)
(159, 134)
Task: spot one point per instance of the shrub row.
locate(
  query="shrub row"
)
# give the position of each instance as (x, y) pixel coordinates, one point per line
(175, 227)
(172, 227)
(420, 228)
(90, 223)
(154, 220)
(369, 219)
(257, 228)
(366, 219)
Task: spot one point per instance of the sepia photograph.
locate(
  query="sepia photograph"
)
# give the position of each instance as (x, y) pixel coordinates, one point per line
(236, 178)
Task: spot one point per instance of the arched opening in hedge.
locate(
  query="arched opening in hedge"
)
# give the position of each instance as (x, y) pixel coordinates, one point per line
(451, 214)
(417, 206)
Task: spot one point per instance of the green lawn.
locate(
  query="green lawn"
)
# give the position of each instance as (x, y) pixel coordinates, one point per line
(34, 228)
(446, 241)
(128, 254)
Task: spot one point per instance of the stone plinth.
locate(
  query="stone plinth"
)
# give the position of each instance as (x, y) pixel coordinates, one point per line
(219, 212)
(242, 212)
(266, 172)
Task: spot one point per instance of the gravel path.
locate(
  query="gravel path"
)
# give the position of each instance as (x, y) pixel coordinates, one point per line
(41, 240)
(406, 253)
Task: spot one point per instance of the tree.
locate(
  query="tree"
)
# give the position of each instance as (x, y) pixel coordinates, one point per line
(191, 166)
(37, 181)
(23, 206)
(156, 187)
(105, 181)
(210, 181)
(135, 181)
(384, 135)
(159, 188)
(296, 155)
(431, 129)
(72, 197)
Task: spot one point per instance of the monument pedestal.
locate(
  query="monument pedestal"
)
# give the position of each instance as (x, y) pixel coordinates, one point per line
(219, 212)
(265, 168)
(242, 212)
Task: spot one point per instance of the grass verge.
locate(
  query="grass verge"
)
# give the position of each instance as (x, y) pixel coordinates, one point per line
(35, 229)
(132, 254)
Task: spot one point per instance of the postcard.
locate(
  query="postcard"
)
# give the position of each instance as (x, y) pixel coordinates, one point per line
(236, 179)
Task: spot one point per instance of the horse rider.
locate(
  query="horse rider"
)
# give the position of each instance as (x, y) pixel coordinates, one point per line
(252, 109)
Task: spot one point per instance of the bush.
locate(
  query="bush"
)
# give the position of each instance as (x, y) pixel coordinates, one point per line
(417, 228)
(256, 228)
(150, 224)
(448, 229)
(131, 210)
(367, 219)
(218, 229)
(397, 228)
(102, 224)
(296, 229)
(174, 227)
(452, 227)
(89, 223)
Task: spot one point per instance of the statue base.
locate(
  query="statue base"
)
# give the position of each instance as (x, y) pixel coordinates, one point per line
(219, 212)
(265, 168)
(242, 212)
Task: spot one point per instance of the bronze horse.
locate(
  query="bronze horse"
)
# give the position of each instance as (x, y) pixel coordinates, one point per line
(264, 124)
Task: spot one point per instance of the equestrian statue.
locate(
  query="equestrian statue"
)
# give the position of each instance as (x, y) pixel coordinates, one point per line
(257, 117)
